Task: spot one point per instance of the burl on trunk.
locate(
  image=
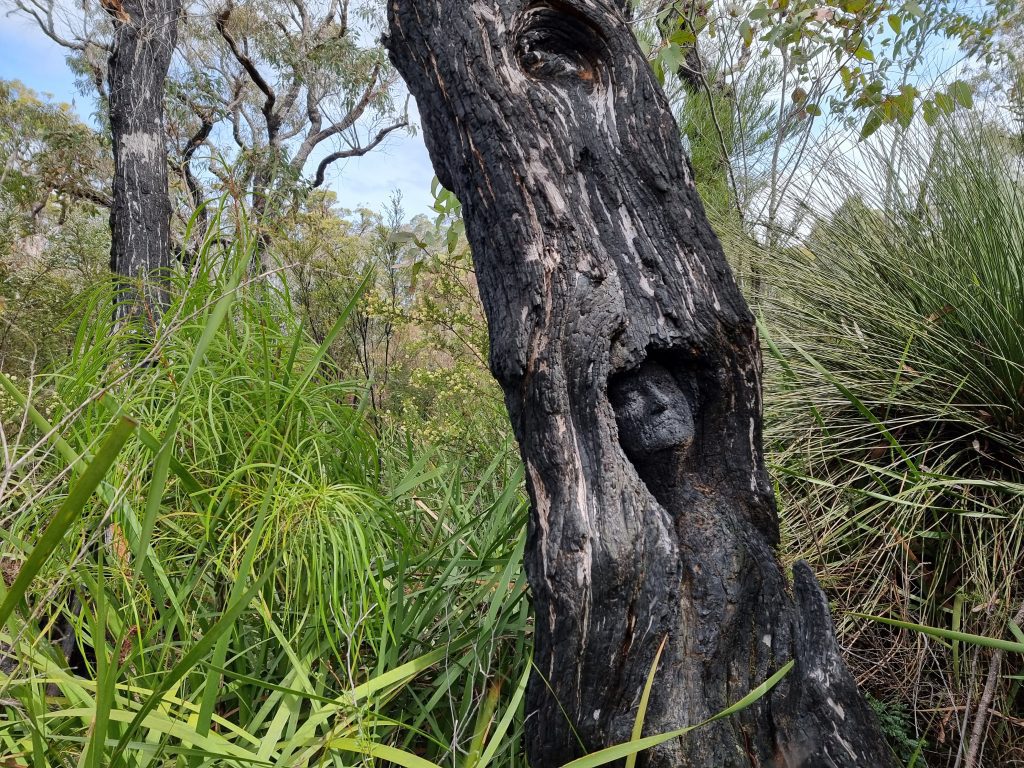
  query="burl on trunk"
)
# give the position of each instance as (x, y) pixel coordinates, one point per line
(631, 370)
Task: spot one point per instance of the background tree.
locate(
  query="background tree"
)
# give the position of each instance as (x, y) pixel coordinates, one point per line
(125, 51)
(145, 33)
(54, 236)
(298, 88)
(264, 98)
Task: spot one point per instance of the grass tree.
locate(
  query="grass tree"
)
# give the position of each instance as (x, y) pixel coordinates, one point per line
(897, 434)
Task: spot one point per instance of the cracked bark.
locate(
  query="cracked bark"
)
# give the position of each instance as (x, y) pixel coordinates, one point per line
(631, 371)
(140, 212)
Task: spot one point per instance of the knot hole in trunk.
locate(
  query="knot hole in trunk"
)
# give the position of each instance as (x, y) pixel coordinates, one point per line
(556, 42)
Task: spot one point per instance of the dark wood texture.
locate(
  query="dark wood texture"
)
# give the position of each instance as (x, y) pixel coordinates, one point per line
(140, 212)
(631, 370)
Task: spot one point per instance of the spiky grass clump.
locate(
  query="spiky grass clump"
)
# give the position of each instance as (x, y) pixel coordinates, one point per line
(256, 580)
(896, 414)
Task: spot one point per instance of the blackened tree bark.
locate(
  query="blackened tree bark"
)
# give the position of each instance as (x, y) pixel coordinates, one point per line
(631, 370)
(140, 212)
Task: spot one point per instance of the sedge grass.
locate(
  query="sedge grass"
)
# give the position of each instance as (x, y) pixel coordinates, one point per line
(256, 583)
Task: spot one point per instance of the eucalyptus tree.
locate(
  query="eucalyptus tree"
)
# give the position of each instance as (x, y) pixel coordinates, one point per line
(49, 159)
(278, 91)
(631, 371)
(263, 97)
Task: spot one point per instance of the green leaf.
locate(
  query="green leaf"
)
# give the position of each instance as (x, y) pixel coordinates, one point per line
(872, 123)
(671, 57)
(683, 37)
(948, 634)
(847, 75)
(1016, 630)
(962, 94)
(484, 719)
(864, 54)
(904, 104)
(895, 23)
(455, 231)
(70, 510)
(503, 725)
(659, 70)
(402, 237)
(944, 102)
(746, 32)
(759, 13)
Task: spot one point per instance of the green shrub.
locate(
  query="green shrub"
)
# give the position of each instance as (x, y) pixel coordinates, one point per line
(261, 578)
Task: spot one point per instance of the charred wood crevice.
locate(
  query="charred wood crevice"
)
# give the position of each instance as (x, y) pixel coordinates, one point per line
(632, 374)
(554, 41)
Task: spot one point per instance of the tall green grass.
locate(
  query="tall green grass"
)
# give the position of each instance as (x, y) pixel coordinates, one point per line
(260, 578)
(896, 417)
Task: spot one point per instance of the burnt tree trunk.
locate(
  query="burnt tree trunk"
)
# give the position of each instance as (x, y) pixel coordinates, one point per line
(631, 371)
(146, 32)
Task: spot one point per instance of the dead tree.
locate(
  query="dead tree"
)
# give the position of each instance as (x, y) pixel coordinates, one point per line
(631, 371)
(146, 32)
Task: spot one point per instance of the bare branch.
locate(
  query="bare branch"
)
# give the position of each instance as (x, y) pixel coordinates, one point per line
(198, 138)
(313, 109)
(251, 69)
(81, 192)
(303, 20)
(355, 151)
(290, 98)
(314, 138)
(43, 16)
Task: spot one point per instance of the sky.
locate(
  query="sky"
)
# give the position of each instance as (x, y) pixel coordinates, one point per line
(400, 164)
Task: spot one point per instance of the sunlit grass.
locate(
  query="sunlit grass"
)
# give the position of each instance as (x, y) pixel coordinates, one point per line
(256, 580)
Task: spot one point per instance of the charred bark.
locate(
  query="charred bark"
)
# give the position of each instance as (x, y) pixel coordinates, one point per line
(146, 32)
(631, 371)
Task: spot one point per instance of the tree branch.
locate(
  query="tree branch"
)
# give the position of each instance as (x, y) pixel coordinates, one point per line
(319, 136)
(355, 151)
(47, 26)
(94, 196)
(249, 67)
(206, 127)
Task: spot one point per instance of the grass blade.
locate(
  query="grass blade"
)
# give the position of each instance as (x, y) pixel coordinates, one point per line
(70, 510)
(948, 634)
(619, 751)
(641, 712)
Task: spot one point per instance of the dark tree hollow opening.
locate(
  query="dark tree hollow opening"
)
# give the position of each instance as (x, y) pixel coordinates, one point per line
(555, 41)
